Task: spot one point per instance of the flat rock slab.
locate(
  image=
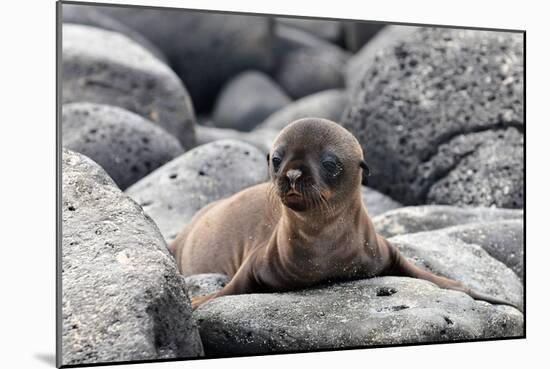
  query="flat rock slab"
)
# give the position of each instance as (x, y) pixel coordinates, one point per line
(173, 193)
(261, 138)
(412, 219)
(439, 115)
(378, 311)
(246, 100)
(329, 104)
(122, 296)
(125, 144)
(205, 49)
(377, 203)
(106, 67)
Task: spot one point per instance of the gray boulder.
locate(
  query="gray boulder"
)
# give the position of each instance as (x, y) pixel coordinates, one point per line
(105, 67)
(91, 15)
(504, 240)
(413, 219)
(307, 64)
(444, 254)
(205, 284)
(385, 38)
(205, 49)
(328, 30)
(377, 311)
(126, 145)
(173, 193)
(438, 90)
(246, 100)
(261, 138)
(328, 104)
(357, 34)
(483, 168)
(122, 297)
(376, 202)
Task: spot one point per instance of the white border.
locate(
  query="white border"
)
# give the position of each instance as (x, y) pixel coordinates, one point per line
(28, 181)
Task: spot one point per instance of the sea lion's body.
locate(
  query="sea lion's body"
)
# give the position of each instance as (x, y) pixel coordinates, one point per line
(306, 226)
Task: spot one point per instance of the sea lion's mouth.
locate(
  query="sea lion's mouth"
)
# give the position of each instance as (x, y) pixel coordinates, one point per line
(293, 196)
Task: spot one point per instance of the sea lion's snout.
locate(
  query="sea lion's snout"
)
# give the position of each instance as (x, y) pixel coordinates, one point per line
(293, 175)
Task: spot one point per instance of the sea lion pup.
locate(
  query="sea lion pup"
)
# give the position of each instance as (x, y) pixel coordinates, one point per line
(306, 226)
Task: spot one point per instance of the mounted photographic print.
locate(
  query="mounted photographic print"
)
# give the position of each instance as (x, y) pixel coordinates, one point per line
(241, 184)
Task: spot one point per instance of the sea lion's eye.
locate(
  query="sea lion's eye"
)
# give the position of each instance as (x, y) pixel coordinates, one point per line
(276, 162)
(332, 167)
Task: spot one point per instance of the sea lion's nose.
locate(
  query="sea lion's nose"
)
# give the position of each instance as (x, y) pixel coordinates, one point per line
(293, 174)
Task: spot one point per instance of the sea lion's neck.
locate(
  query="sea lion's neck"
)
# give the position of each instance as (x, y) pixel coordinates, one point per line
(307, 226)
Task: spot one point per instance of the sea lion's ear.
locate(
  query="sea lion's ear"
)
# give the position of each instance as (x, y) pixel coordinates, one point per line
(366, 172)
(267, 158)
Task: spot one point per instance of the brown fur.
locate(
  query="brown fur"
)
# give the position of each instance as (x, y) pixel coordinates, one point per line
(267, 241)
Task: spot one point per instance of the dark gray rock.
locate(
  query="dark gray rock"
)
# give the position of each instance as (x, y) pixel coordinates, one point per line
(413, 219)
(357, 34)
(126, 145)
(376, 202)
(205, 49)
(105, 67)
(328, 104)
(328, 30)
(377, 311)
(173, 193)
(385, 38)
(307, 64)
(451, 257)
(122, 296)
(503, 240)
(92, 15)
(261, 138)
(205, 284)
(246, 100)
(479, 168)
(430, 90)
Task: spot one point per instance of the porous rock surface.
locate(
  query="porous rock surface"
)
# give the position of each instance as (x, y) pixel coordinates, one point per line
(122, 296)
(246, 100)
(413, 219)
(307, 64)
(366, 56)
(205, 49)
(329, 104)
(126, 145)
(457, 91)
(377, 311)
(94, 16)
(173, 193)
(106, 67)
(261, 138)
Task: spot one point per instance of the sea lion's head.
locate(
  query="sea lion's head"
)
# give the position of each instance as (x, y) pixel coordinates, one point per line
(315, 163)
